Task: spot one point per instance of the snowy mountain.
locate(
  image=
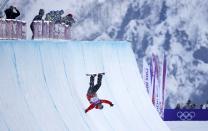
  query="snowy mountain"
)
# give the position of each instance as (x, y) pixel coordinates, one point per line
(175, 27)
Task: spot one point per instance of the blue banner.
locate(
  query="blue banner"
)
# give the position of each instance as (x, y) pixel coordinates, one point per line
(185, 115)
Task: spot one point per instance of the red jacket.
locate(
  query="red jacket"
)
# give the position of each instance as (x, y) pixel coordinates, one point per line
(92, 105)
(97, 101)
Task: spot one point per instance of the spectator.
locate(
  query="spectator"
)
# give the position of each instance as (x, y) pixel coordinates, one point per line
(50, 16)
(188, 105)
(68, 20)
(205, 106)
(36, 18)
(54, 16)
(58, 16)
(178, 106)
(193, 106)
(201, 106)
(39, 16)
(12, 12)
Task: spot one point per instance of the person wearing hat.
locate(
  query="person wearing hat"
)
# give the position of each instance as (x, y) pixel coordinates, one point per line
(94, 101)
(205, 106)
(12, 12)
(58, 16)
(38, 17)
(54, 16)
(68, 20)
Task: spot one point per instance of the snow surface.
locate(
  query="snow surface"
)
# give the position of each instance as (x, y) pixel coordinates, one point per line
(44, 84)
(187, 125)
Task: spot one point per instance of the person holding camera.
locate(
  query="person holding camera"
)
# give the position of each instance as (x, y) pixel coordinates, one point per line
(12, 12)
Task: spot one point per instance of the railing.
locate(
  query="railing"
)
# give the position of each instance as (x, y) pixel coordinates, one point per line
(15, 29)
(12, 29)
(186, 115)
(49, 30)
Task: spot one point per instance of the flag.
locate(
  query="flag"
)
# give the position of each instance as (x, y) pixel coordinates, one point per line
(163, 82)
(154, 78)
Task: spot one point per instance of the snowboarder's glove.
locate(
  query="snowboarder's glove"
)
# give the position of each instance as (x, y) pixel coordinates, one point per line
(111, 104)
(85, 111)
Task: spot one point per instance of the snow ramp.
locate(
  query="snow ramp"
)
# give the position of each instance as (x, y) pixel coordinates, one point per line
(43, 87)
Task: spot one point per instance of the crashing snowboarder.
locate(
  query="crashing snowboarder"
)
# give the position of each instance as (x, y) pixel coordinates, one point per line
(95, 102)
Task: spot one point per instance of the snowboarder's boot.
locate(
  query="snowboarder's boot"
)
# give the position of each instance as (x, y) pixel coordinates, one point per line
(92, 77)
(99, 79)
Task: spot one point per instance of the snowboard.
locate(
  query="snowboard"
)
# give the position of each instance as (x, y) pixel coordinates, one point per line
(93, 74)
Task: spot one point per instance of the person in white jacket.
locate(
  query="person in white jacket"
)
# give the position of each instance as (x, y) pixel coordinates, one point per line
(205, 106)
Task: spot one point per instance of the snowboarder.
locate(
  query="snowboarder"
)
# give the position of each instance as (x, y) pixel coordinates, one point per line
(12, 12)
(95, 102)
(38, 17)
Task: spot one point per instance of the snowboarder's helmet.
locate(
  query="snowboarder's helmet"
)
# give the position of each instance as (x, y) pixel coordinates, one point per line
(100, 106)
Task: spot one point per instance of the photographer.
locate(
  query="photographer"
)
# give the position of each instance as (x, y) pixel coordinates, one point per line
(12, 12)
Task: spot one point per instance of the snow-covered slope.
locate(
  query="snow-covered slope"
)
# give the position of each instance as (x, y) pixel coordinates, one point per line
(187, 125)
(44, 84)
(177, 27)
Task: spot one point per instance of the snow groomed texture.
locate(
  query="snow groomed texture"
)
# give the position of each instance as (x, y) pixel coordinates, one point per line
(43, 87)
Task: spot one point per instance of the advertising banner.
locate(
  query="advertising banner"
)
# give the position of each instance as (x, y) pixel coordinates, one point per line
(185, 115)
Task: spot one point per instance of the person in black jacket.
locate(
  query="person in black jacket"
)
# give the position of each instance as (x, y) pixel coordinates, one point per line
(38, 17)
(12, 12)
(178, 107)
(68, 20)
(55, 16)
